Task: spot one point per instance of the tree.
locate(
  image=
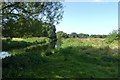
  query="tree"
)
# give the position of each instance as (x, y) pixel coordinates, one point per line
(73, 35)
(81, 35)
(61, 34)
(37, 28)
(22, 16)
(51, 31)
(112, 36)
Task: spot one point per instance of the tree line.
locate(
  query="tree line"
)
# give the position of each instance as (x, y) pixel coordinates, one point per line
(112, 36)
(61, 34)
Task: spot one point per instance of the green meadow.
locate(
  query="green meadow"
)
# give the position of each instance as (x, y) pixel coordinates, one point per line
(72, 58)
(40, 41)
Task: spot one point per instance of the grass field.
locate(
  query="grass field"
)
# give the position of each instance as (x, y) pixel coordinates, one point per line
(75, 58)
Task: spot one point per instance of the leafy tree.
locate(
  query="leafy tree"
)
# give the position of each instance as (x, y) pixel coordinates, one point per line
(51, 31)
(98, 36)
(73, 35)
(86, 35)
(103, 36)
(61, 34)
(23, 16)
(37, 28)
(81, 35)
(112, 36)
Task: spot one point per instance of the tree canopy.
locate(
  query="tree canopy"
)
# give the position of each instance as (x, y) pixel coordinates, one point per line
(23, 18)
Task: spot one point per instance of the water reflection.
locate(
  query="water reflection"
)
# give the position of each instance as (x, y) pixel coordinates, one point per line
(47, 49)
(37, 48)
(44, 49)
(4, 55)
(55, 46)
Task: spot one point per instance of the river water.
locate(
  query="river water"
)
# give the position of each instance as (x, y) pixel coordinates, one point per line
(4, 54)
(45, 48)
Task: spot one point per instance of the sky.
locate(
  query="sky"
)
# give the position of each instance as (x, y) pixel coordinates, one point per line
(89, 17)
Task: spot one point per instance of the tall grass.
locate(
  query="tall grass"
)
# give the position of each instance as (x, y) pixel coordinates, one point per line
(76, 58)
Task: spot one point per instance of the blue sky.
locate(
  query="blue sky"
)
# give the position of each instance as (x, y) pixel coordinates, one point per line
(89, 17)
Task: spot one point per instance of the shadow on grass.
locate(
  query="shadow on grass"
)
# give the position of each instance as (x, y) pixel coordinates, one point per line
(69, 62)
(9, 45)
(91, 53)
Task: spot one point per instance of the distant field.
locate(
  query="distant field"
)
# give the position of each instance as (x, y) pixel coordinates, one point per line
(75, 58)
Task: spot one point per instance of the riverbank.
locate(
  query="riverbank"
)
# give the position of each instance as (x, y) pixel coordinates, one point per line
(75, 58)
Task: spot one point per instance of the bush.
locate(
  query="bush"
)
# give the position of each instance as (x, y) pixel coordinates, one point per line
(112, 36)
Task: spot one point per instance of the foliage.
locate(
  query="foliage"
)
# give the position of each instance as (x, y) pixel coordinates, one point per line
(81, 35)
(98, 36)
(112, 36)
(49, 31)
(26, 19)
(47, 11)
(77, 58)
(73, 35)
(61, 34)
